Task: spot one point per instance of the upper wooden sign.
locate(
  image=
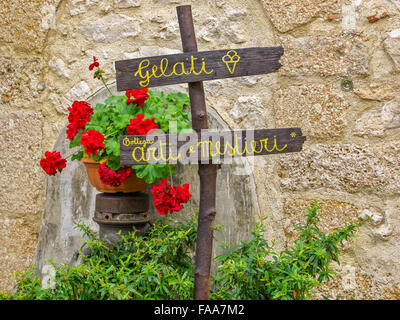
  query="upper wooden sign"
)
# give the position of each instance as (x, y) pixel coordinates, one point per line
(196, 66)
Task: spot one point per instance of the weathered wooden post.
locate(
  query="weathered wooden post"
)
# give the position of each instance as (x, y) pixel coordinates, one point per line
(207, 172)
(193, 67)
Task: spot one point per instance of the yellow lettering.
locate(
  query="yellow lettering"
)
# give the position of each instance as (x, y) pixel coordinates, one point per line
(126, 142)
(147, 142)
(276, 147)
(162, 144)
(253, 146)
(171, 157)
(266, 145)
(204, 147)
(228, 145)
(154, 155)
(142, 158)
(218, 148)
(211, 149)
(163, 68)
(244, 150)
(203, 67)
(154, 70)
(182, 66)
(192, 69)
(147, 76)
(191, 150)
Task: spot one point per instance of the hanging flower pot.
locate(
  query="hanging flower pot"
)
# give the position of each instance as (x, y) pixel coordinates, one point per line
(94, 133)
(131, 184)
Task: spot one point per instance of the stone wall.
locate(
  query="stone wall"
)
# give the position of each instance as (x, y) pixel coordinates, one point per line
(339, 82)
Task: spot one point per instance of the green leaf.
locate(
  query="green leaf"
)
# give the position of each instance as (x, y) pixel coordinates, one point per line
(115, 100)
(152, 172)
(122, 121)
(113, 162)
(76, 141)
(112, 146)
(77, 155)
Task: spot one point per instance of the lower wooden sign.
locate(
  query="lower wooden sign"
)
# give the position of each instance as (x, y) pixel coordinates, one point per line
(214, 146)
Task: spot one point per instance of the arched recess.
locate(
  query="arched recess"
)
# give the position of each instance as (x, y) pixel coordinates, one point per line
(69, 197)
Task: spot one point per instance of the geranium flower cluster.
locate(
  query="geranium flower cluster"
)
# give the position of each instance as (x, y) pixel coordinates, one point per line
(52, 163)
(79, 115)
(112, 178)
(168, 199)
(138, 126)
(92, 141)
(139, 95)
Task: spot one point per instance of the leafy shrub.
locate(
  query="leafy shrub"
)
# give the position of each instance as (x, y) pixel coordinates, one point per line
(160, 266)
(252, 270)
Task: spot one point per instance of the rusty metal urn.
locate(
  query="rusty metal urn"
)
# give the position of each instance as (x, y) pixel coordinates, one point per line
(119, 212)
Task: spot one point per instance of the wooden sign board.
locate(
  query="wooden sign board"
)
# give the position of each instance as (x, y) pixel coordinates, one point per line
(209, 145)
(196, 66)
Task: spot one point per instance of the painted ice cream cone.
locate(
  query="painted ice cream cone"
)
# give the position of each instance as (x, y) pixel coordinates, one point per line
(230, 60)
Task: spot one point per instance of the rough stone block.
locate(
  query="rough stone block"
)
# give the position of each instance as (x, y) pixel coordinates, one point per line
(110, 28)
(342, 54)
(377, 121)
(392, 47)
(248, 112)
(370, 123)
(21, 181)
(288, 14)
(333, 214)
(226, 30)
(57, 65)
(397, 3)
(81, 6)
(17, 248)
(123, 4)
(375, 91)
(347, 167)
(25, 23)
(19, 79)
(78, 92)
(316, 108)
(351, 282)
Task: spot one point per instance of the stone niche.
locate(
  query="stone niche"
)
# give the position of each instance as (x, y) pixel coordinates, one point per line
(69, 197)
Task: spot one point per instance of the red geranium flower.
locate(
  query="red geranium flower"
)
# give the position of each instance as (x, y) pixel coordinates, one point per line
(168, 199)
(112, 178)
(92, 141)
(94, 64)
(79, 115)
(52, 162)
(72, 130)
(139, 95)
(138, 126)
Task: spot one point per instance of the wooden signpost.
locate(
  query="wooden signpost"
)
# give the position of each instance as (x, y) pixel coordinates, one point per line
(203, 147)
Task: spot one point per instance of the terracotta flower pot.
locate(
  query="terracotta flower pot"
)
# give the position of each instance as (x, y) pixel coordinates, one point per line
(132, 184)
